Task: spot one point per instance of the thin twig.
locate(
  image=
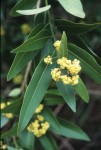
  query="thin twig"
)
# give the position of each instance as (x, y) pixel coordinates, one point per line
(58, 109)
(24, 83)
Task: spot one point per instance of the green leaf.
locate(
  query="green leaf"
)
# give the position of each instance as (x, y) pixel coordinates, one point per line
(12, 148)
(27, 140)
(14, 107)
(81, 90)
(48, 49)
(87, 62)
(70, 130)
(3, 120)
(67, 92)
(63, 46)
(73, 28)
(54, 92)
(80, 42)
(15, 92)
(49, 116)
(33, 43)
(21, 59)
(11, 132)
(22, 4)
(53, 101)
(33, 11)
(73, 7)
(48, 142)
(34, 94)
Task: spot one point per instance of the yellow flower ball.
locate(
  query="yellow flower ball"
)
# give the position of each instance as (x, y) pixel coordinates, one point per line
(25, 28)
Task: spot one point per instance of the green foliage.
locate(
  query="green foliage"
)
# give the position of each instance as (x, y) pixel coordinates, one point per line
(73, 7)
(41, 88)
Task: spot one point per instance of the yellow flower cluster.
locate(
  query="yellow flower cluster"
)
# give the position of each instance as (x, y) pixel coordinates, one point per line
(57, 45)
(39, 127)
(56, 73)
(71, 67)
(25, 28)
(18, 79)
(3, 146)
(2, 31)
(48, 60)
(39, 109)
(2, 106)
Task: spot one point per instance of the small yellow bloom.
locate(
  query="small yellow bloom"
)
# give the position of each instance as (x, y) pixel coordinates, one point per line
(3, 146)
(25, 28)
(56, 74)
(8, 115)
(63, 62)
(2, 105)
(38, 128)
(66, 79)
(2, 31)
(18, 79)
(57, 45)
(39, 108)
(75, 79)
(40, 117)
(48, 60)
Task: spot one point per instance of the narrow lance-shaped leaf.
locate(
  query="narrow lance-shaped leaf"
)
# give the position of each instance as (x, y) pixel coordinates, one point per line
(48, 142)
(80, 42)
(21, 59)
(53, 101)
(81, 90)
(33, 44)
(34, 94)
(11, 132)
(70, 130)
(73, 28)
(50, 117)
(67, 91)
(63, 51)
(74, 7)
(88, 63)
(27, 140)
(34, 11)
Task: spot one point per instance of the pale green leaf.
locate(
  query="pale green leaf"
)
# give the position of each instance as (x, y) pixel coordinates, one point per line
(33, 11)
(15, 92)
(74, 7)
(3, 120)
